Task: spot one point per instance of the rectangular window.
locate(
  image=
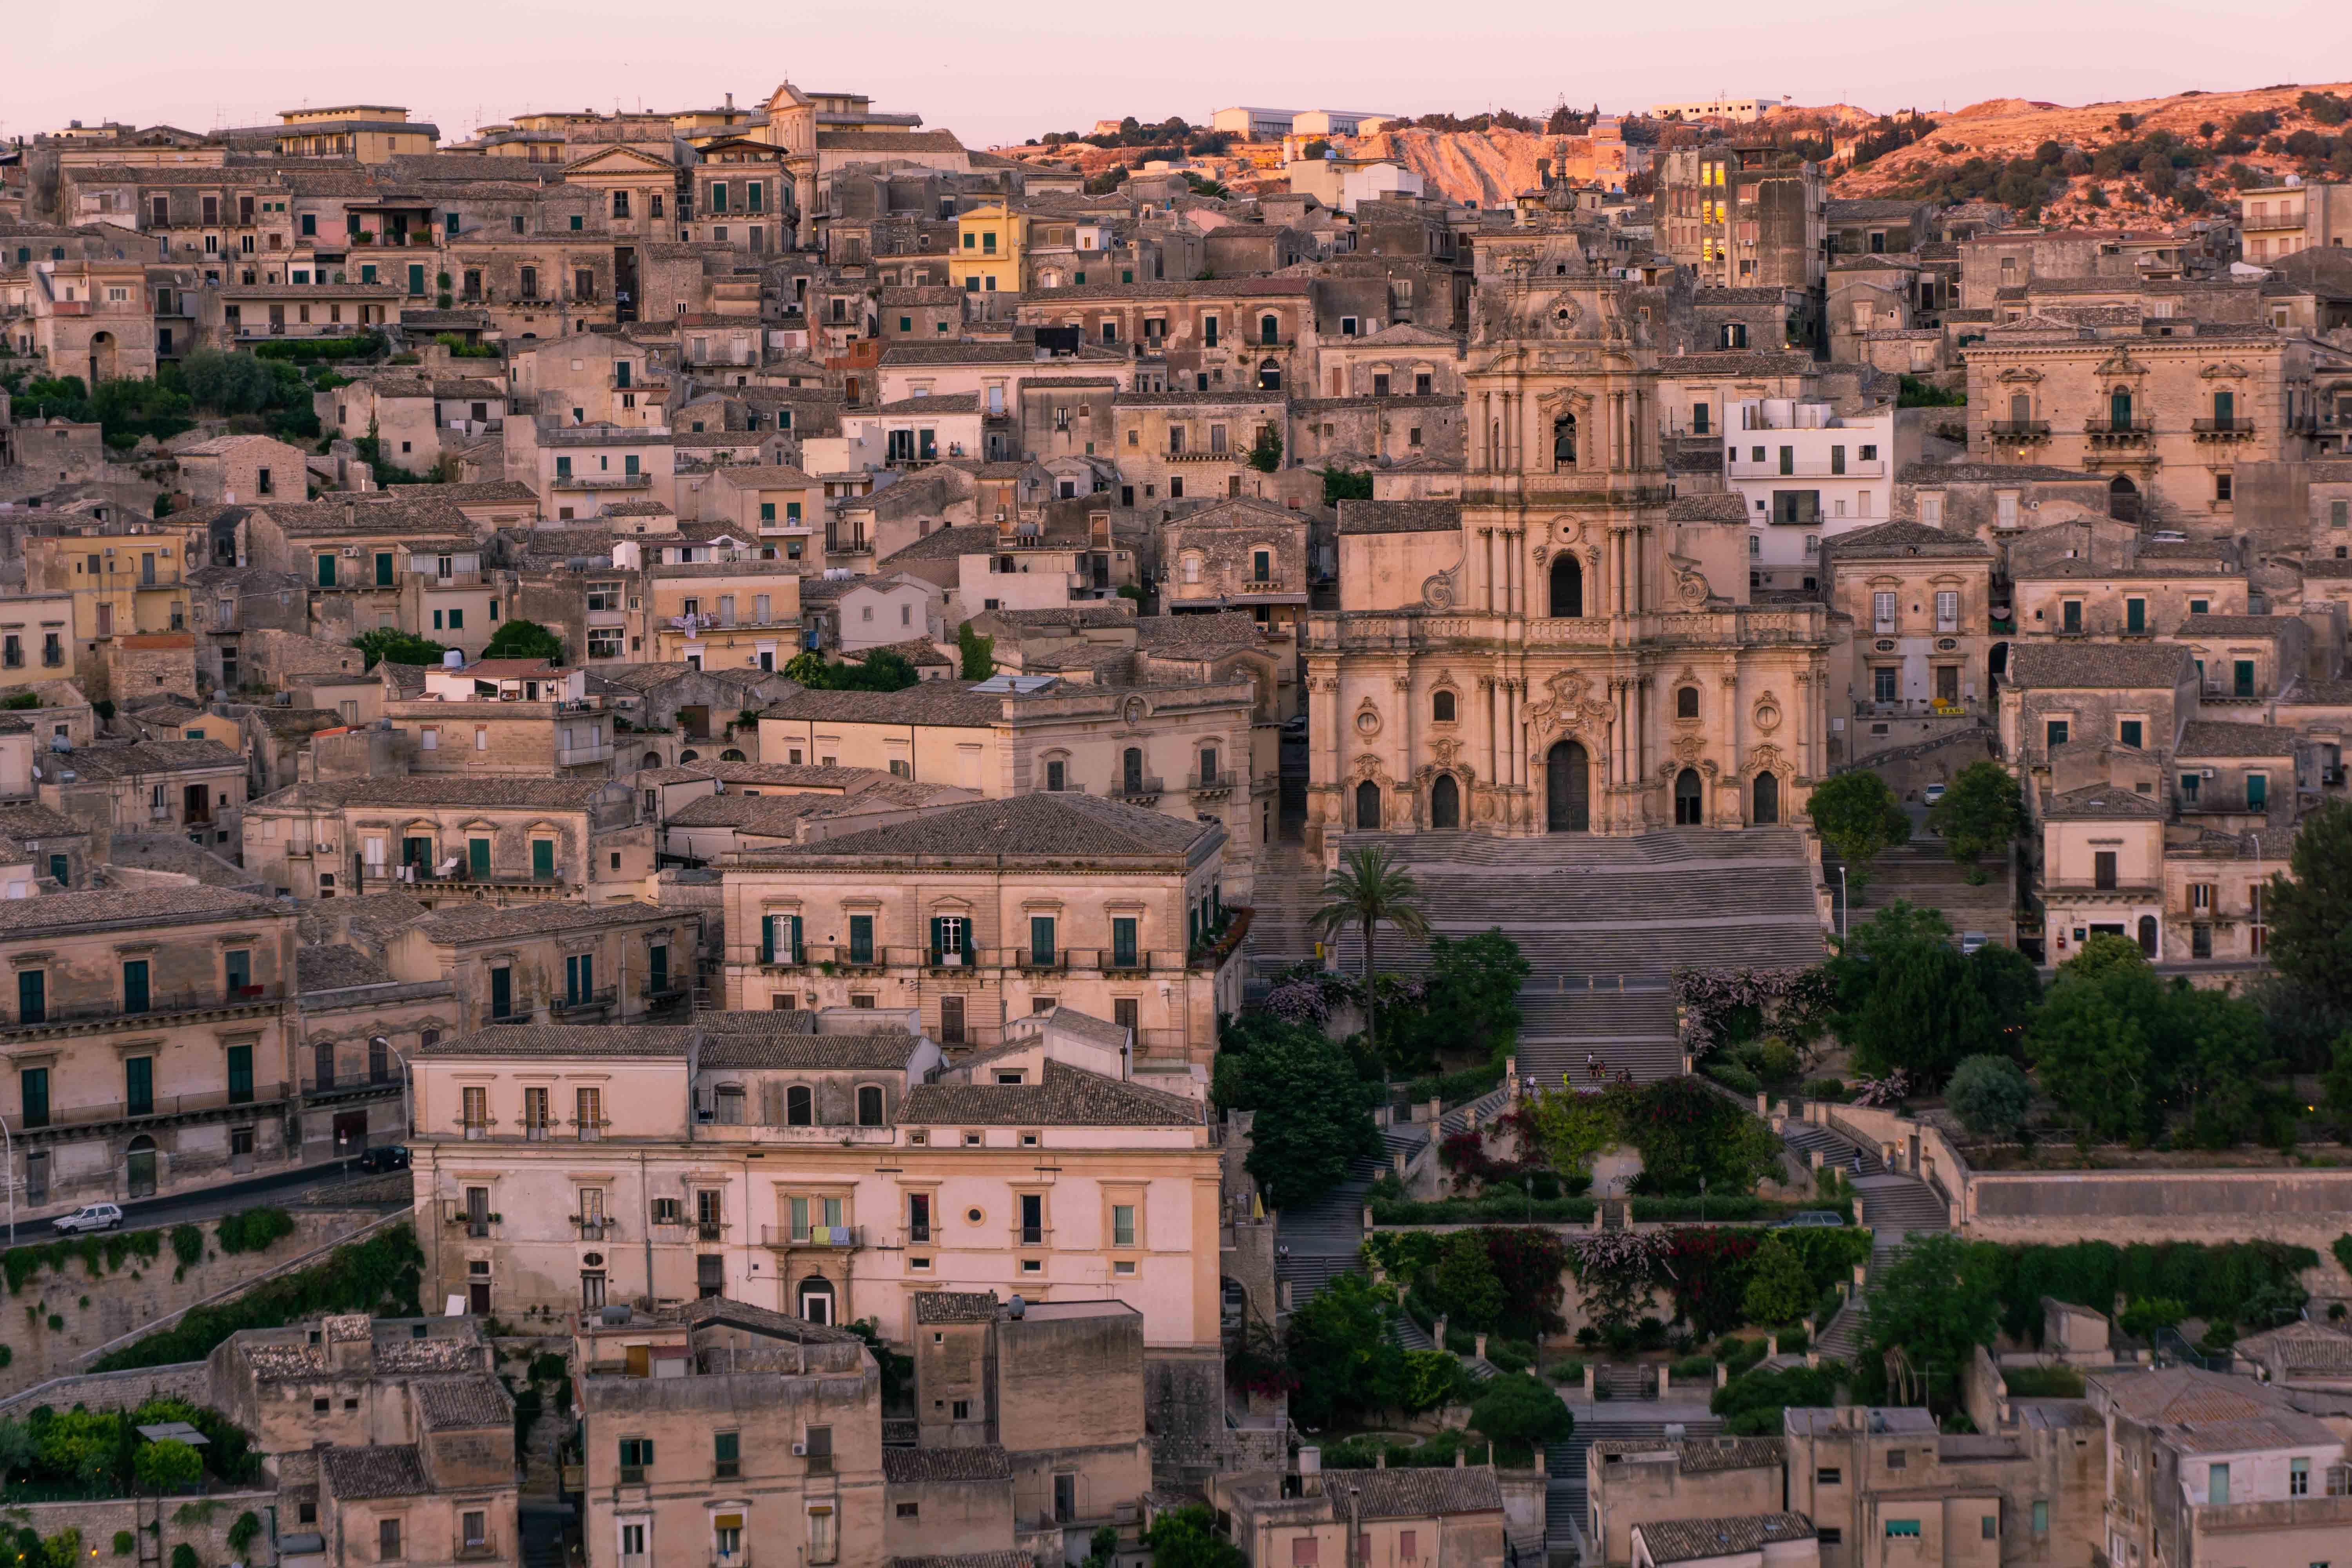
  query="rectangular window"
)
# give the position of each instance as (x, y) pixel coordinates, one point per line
(2053, 733)
(1902, 1529)
(240, 1075)
(32, 996)
(2258, 792)
(861, 938)
(2129, 732)
(1123, 942)
(542, 860)
(1041, 941)
(1122, 1225)
(1882, 611)
(2242, 674)
(636, 1458)
(1948, 610)
(387, 1539)
(2041, 1519)
(134, 985)
(1033, 1219)
(33, 1085)
(237, 966)
(2298, 1478)
(2135, 615)
(727, 1454)
(2217, 1484)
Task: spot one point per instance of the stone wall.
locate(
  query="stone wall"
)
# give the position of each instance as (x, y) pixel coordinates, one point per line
(188, 1380)
(200, 1522)
(97, 1310)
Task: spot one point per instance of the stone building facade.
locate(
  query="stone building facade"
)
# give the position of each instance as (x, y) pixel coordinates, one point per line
(1554, 653)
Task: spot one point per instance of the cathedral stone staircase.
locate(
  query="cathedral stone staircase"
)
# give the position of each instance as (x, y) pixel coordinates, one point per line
(1603, 921)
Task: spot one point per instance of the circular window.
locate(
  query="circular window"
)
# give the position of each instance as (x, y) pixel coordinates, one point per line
(972, 1215)
(1368, 721)
(592, 1259)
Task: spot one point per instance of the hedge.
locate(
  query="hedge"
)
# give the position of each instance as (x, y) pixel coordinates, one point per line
(2237, 1282)
(1483, 1210)
(303, 350)
(379, 1276)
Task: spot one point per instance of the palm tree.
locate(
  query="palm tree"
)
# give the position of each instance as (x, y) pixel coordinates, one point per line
(1370, 887)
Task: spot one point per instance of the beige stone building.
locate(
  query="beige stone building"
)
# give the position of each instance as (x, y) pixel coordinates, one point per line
(1918, 600)
(563, 962)
(2166, 413)
(231, 468)
(819, 1166)
(149, 1050)
(1553, 653)
(1398, 1517)
(1192, 742)
(547, 839)
(719, 1433)
(2206, 1469)
(1633, 1482)
(742, 613)
(976, 916)
(1245, 555)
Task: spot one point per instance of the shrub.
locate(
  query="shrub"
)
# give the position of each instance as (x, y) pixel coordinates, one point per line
(1733, 1075)
(253, 1230)
(2042, 1382)
(1691, 1368)
(1990, 1095)
(184, 1556)
(1825, 1088)
(166, 1466)
(1751, 1405)
(188, 1244)
(124, 1543)
(380, 1275)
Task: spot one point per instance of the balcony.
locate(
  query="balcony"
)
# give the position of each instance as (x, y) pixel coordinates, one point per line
(1222, 782)
(583, 756)
(2126, 433)
(597, 1229)
(581, 1002)
(1042, 958)
(159, 1004)
(711, 1230)
(816, 1238)
(351, 1086)
(2019, 429)
(482, 1551)
(1263, 585)
(1136, 789)
(2222, 429)
(99, 1112)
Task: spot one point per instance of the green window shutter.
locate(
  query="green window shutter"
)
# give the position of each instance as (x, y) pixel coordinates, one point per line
(477, 855)
(939, 936)
(768, 939)
(326, 571)
(794, 934)
(138, 1085)
(416, 280)
(384, 568)
(240, 1075)
(543, 857)
(134, 985)
(34, 1084)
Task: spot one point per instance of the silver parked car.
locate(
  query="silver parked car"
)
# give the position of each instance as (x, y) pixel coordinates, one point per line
(90, 1216)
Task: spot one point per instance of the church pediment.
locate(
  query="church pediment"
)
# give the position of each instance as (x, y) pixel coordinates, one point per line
(2227, 370)
(2120, 363)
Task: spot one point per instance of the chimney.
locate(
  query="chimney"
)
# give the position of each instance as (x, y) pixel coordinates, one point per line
(351, 513)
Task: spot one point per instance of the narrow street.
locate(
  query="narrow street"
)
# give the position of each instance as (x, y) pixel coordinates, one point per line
(307, 1183)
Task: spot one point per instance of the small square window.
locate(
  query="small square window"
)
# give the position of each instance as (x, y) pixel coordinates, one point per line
(1032, 1265)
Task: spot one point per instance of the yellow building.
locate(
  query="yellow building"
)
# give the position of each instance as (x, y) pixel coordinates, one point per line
(989, 244)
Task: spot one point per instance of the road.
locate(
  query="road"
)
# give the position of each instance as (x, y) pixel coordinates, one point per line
(211, 1202)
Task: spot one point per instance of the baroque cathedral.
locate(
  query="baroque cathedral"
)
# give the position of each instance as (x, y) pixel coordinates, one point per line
(1568, 648)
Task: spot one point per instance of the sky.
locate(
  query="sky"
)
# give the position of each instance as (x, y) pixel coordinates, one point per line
(1018, 69)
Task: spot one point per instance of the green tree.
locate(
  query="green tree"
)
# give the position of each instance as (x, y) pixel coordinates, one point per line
(2010, 986)
(1981, 814)
(1187, 1538)
(1912, 1003)
(1937, 1302)
(2089, 1043)
(1779, 1288)
(1464, 1285)
(1368, 889)
(1470, 999)
(227, 382)
(2311, 910)
(16, 1446)
(1312, 1109)
(524, 639)
(1858, 816)
(399, 647)
(1343, 483)
(1990, 1096)
(978, 654)
(167, 1465)
(1315, 149)
(1518, 1409)
(82, 1444)
(1339, 1346)
(1265, 452)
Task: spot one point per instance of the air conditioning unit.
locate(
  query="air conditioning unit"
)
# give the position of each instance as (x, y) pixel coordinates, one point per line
(800, 1450)
(2205, 772)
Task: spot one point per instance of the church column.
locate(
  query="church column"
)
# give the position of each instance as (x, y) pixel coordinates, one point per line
(1735, 724)
(1405, 701)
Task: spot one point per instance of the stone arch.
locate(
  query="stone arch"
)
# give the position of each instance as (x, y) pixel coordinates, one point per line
(1690, 799)
(813, 1299)
(139, 1167)
(1445, 803)
(1765, 800)
(1367, 806)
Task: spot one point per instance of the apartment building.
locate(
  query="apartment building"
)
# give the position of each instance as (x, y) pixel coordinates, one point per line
(2276, 221)
(1808, 474)
(826, 1166)
(1920, 603)
(559, 962)
(150, 1051)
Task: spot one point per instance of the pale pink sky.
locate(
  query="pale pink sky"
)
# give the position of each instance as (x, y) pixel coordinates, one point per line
(1018, 69)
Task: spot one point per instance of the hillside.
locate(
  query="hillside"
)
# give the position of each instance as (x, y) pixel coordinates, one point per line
(2206, 138)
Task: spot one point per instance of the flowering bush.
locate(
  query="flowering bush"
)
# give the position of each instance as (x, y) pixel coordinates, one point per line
(1884, 1092)
(1298, 1002)
(1795, 1003)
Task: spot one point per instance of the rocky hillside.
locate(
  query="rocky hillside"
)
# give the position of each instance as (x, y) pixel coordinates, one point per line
(2100, 163)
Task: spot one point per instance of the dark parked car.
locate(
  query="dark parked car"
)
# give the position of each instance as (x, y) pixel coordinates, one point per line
(391, 1157)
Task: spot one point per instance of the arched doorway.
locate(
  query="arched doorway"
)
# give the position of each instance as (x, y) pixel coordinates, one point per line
(1690, 799)
(1767, 809)
(2147, 936)
(730, 755)
(102, 359)
(1367, 808)
(2122, 497)
(815, 1299)
(687, 756)
(1568, 789)
(653, 759)
(139, 1162)
(1445, 802)
(1269, 376)
(1567, 586)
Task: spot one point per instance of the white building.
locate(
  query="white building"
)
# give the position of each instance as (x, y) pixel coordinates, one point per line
(1255, 124)
(880, 611)
(1720, 107)
(1336, 121)
(1806, 473)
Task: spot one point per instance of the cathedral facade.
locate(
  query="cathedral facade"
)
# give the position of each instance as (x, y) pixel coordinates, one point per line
(1568, 649)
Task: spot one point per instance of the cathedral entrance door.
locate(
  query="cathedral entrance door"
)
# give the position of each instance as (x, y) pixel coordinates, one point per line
(1568, 789)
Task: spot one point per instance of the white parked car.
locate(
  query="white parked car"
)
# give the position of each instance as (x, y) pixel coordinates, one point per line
(1934, 793)
(90, 1216)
